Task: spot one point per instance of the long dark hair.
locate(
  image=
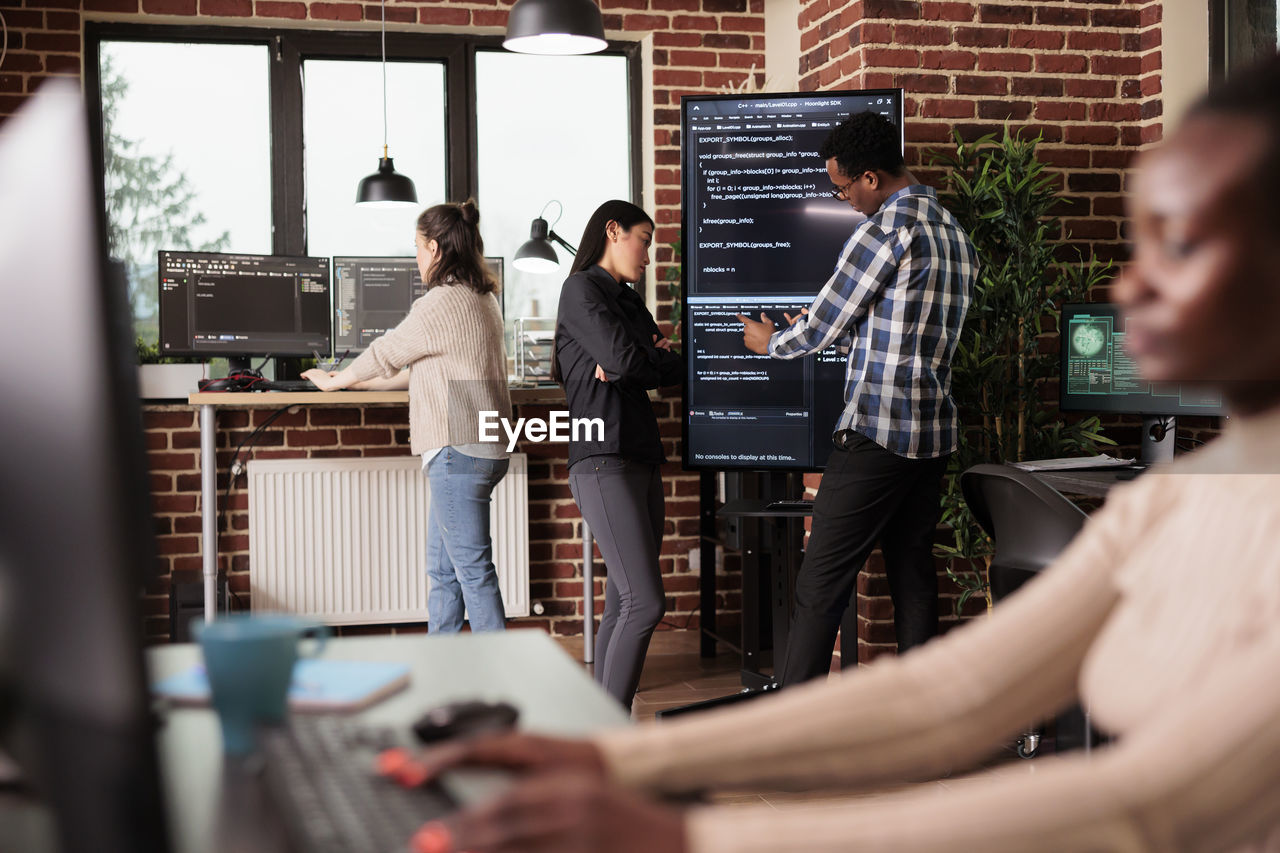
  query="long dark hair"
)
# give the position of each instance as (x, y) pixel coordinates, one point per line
(591, 250)
(594, 236)
(456, 230)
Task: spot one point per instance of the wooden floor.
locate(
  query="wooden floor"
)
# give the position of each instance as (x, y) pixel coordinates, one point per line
(675, 674)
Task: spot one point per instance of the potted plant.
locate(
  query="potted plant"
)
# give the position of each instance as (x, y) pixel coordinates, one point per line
(1004, 198)
(675, 287)
(165, 378)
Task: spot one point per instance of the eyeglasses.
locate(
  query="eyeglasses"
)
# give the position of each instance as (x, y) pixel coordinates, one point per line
(842, 192)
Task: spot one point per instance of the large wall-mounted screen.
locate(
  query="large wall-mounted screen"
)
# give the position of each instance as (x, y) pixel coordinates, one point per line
(761, 234)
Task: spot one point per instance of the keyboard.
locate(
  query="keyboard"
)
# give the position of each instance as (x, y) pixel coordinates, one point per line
(286, 385)
(320, 776)
(803, 505)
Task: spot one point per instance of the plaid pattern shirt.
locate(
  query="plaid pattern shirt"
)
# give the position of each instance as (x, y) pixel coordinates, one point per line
(897, 300)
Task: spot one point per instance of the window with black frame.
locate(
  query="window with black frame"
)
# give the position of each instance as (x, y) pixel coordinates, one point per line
(238, 140)
(1241, 32)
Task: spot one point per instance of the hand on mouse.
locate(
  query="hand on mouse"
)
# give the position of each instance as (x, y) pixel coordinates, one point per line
(559, 813)
(322, 379)
(523, 753)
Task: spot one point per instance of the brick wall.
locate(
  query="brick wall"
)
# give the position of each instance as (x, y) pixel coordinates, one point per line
(1083, 74)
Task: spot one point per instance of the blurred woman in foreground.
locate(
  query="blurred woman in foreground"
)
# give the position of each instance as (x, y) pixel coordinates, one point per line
(1163, 616)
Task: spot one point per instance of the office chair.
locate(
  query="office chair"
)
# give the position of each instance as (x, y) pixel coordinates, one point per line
(1031, 525)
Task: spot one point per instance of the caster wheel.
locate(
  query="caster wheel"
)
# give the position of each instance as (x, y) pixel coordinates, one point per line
(1028, 746)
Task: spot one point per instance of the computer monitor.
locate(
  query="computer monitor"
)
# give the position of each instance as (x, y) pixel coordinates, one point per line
(235, 306)
(1097, 374)
(761, 235)
(75, 521)
(372, 295)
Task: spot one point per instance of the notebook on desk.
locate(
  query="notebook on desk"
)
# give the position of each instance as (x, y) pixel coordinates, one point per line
(319, 684)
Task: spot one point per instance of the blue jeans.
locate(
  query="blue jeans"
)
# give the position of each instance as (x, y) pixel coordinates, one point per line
(459, 548)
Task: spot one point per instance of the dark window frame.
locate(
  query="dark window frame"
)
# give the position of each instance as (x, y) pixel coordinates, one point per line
(288, 49)
(1232, 44)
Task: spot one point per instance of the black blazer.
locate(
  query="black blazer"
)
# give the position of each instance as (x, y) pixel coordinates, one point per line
(603, 322)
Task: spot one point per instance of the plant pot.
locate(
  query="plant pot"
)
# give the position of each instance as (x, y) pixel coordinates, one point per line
(168, 381)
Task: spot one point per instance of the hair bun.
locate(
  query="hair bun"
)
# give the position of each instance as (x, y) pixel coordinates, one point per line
(470, 213)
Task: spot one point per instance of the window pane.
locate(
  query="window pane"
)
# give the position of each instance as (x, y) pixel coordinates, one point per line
(187, 151)
(342, 134)
(548, 127)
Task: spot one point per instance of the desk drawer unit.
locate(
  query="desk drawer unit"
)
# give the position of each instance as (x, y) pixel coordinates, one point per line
(345, 540)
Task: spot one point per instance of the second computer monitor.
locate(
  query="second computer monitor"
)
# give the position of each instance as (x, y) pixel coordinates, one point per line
(372, 295)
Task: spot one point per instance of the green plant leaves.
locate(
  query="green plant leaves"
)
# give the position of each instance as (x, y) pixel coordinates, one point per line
(1003, 195)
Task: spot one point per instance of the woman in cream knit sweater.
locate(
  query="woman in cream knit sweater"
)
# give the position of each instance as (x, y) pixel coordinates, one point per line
(451, 343)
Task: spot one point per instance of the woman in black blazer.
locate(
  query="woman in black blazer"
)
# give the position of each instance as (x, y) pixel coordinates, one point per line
(608, 353)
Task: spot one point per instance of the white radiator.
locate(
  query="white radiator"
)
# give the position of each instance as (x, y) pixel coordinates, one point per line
(345, 540)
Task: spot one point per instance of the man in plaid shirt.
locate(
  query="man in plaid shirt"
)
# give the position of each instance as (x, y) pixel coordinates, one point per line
(897, 300)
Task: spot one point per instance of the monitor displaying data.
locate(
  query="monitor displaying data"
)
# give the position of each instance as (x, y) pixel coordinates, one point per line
(372, 296)
(1098, 375)
(228, 305)
(762, 234)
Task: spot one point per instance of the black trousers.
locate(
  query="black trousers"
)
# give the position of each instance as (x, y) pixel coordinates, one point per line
(868, 494)
(622, 501)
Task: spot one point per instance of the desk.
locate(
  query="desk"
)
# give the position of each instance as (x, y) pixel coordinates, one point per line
(212, 807)
(208, 402)
(1093, 484)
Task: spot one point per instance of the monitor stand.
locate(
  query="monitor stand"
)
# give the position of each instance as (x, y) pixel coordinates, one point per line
(282, 368)
(1159, 433)
(288, 369)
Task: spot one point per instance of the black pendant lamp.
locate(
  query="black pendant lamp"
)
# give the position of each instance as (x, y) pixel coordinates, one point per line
(555, 27)
(386, 187)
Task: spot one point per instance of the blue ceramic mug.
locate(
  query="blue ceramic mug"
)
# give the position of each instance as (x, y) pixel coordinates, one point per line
(249, 660)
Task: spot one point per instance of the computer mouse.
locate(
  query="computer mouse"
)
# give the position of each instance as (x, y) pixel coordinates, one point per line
(225, 384)
(459, 719)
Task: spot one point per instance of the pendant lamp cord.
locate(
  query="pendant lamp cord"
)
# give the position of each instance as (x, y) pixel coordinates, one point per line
(384, 78)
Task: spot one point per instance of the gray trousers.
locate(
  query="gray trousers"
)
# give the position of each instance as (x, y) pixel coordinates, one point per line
(622, 501)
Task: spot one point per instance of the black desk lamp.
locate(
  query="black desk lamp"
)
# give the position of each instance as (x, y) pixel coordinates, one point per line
(537, 255)
(385, 187)
(555, 27)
